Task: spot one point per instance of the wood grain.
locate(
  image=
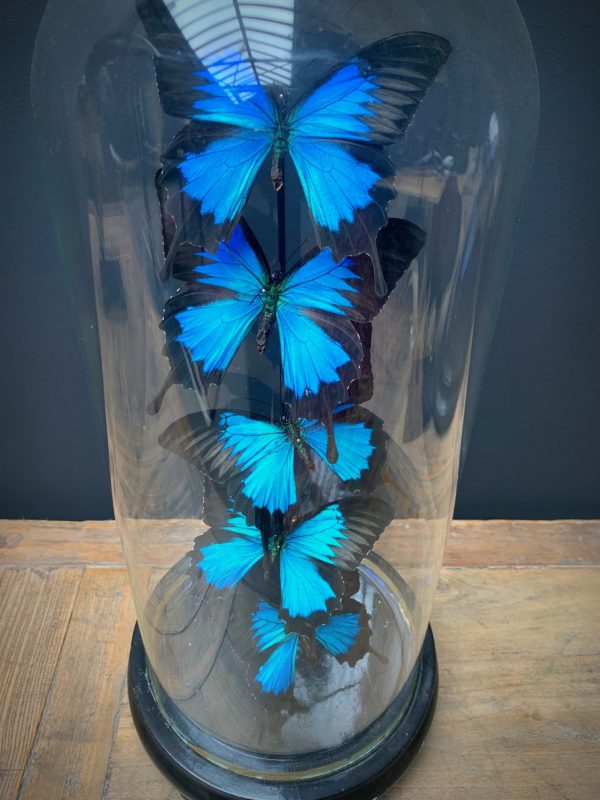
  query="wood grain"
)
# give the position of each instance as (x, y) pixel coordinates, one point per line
(500, 543)
(74, 740)
(131, 773)
(35, 609)
(470, 543)
(519, 709)
(517, 625)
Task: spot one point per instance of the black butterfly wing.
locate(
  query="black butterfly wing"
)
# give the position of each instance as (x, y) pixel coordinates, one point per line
(398, 244)
(365, 518)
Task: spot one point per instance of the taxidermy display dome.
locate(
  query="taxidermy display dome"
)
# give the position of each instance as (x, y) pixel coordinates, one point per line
(287, 225)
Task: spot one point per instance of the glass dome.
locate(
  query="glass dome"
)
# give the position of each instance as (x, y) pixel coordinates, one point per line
(291, 221)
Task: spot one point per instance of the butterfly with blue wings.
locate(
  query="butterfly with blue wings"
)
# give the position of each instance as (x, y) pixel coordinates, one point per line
(308, 555)
(398, 244)
(273, 465)
(334, 134)
(313, 307)
(344, 635)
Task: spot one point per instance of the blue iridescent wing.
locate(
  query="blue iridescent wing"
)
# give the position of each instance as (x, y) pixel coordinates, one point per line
(212, 314)
(355, 446)
(266, 457)
(210, 167)
(319, 344)
(338, 129)
(224, 564)
(338, 536)
(208, 172)
(339, 634)
(276, 675)
(240, 451)
(346, 633)
(304, 591)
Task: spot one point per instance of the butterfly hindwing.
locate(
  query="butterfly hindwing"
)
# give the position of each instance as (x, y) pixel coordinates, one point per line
(224, 564)
(339, 634)
(277, 673)
(354, 446)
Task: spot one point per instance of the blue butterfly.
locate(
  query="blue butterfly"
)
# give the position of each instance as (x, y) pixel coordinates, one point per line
(338, 636)
(336, 538)
(397, 244)
(271, 465)
(314, 306)
(334, 135)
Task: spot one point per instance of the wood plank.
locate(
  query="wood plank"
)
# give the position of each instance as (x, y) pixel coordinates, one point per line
(91, 543)
(48, 542)
(36, 606)
(519, 709)
(496, 543)
(470, 543)
(71, 751)
(131, 774)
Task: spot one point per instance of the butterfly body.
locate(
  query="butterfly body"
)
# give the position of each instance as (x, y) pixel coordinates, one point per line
(293, 431)
(270, 296)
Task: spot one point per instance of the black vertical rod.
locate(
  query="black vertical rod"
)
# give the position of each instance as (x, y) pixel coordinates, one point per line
(281, 239)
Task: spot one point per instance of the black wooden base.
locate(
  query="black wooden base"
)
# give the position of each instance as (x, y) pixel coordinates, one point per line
(201, 779)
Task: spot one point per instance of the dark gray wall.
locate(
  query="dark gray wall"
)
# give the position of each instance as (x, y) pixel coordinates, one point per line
(536, 437)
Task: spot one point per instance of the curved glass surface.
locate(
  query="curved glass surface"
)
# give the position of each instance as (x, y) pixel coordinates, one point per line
(285, 394)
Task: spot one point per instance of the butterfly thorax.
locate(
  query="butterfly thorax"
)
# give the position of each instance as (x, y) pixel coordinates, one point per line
(294, 432)
(276, 544)
(269, 298)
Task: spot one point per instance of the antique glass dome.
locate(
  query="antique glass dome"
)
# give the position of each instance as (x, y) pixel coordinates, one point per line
(288, 224)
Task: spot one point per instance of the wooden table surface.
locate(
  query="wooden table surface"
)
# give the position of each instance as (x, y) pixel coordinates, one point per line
(517, 626)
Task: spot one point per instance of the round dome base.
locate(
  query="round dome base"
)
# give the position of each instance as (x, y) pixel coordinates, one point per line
(201, 778)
